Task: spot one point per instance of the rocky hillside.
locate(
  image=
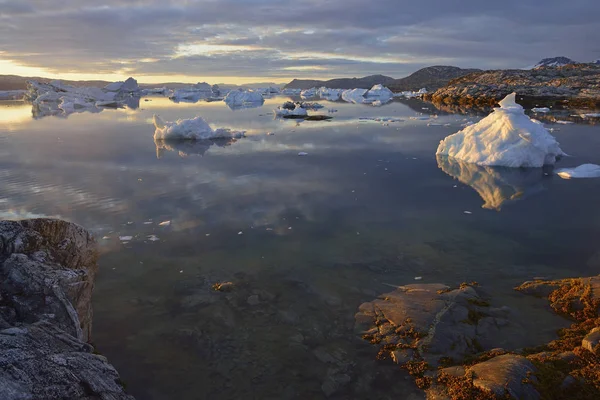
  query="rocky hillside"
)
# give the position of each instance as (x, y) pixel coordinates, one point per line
(577, 83)
(555, 62)
(342, 83)
(47, 271)
(431, 78)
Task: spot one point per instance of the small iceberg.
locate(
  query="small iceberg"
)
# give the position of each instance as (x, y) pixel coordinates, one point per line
(308, 93)
(377, 93)
(291, 110)
(196, 92)
(242, 97)
(190, 129)
(410, 94)
(540, 110)
(583, 171)
(507, 137)
(329, 94)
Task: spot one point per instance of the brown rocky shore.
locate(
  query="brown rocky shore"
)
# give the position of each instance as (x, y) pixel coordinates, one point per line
(573, 85)
(47, 271)
(449, 340)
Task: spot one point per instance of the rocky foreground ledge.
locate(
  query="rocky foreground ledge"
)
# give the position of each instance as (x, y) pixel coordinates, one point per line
(47, 270)
(450, 341)
(573, 85)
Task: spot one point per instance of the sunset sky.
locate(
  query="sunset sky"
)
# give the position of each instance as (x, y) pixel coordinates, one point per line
(240, 41)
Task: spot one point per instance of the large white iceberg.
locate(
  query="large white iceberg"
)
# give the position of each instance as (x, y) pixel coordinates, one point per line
(583, 171)
(356, 96)
(129, 86)
(190, 129)
(507, 137)
(241, 97)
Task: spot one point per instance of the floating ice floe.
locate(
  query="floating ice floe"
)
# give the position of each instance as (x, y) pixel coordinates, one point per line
(583, 171)
(507, 137)
(125, 238)
(165, 223)
(190, 129)
(197, 92)
(564, 122)
(409, 94)
(291, 110)
(57, 98)
(592, 115)
(497, 186)
(244, 97)
(377, 93)
(302, 154)
(329, 94)
(540, 109)
(291, 92)
(152, 238)
(308, 93)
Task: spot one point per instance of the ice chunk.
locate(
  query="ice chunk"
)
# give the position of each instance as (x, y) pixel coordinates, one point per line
(583, 171)
(329, 94)
(125, 238)
(507, 137)
(592, 115)
(241, 97)
(190, 129)
(540, 109)
(356, 96)
(291, 110)
(308, 93)
(378, 93)
(165, 223)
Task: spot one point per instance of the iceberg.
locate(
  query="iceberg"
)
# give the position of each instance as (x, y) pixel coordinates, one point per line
(377, 93)
(583, 171)
(190, 129)
(242, 97)
(57, 98)
(291, 92)
(197, 92)
(329, 94)
(291, 110)
(308, 93)
(507, 137)
(409, 94)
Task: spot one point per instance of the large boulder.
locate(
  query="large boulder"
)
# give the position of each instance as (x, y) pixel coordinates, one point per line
(47, 271)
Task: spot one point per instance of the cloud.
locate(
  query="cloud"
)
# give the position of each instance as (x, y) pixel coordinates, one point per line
(290, 38)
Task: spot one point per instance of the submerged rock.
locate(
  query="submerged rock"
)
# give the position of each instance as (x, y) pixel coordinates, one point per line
(47, 270)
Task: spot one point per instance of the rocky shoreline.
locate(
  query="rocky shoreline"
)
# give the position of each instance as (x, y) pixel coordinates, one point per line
(449, 341)
(574, 85)
(47, 271)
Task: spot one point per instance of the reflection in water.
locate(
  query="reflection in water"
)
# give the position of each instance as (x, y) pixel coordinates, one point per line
(186, 148)
(495, 185)
(244, 106)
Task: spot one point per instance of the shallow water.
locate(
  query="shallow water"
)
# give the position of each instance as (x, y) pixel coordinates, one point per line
(305, 240)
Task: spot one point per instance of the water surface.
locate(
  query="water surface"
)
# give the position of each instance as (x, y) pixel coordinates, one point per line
(305, 240)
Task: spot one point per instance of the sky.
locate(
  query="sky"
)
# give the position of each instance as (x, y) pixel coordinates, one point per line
(241, 41)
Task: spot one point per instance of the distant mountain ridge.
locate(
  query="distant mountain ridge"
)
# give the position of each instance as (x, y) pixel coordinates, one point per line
(555, 62)
(366, 82)
(431, 78)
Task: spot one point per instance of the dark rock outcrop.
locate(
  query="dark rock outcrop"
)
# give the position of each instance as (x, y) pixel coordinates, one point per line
(47, 271)
(579, 84)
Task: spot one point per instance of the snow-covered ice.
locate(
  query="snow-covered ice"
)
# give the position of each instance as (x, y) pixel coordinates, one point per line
(507, 137)
(241, 97)
(56, 97)
(190, 129)
(583, 171)
(377, 93)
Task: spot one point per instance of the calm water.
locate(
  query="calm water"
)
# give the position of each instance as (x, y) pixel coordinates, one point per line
(305, 240)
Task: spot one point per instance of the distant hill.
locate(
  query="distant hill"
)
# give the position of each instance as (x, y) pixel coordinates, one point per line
(554, 62)
(342, 83)
(431, 78)
(14, 82)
